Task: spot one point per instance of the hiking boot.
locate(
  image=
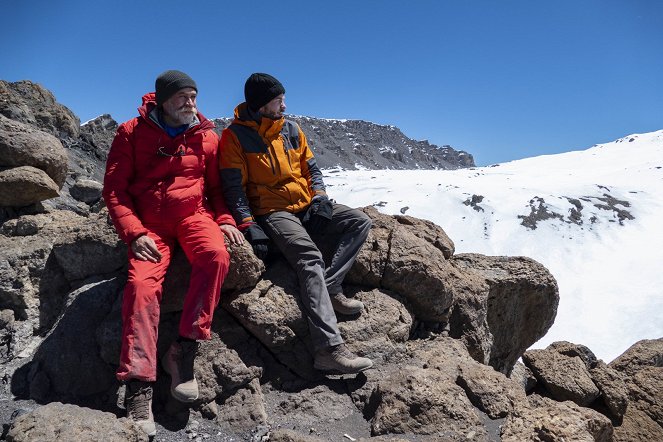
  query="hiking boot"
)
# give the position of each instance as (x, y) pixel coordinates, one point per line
(345, 305)
(138, 402)
(338, 358)
(178, 363)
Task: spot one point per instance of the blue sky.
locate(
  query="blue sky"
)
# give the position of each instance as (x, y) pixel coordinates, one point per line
(500, 79)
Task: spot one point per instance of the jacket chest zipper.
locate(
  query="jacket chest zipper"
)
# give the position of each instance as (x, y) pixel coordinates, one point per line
(269, 156)
(285, 152)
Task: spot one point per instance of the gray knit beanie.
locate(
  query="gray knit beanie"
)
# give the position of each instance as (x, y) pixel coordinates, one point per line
(169, 82)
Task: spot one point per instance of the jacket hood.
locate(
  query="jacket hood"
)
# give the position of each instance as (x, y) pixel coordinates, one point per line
(149, 108)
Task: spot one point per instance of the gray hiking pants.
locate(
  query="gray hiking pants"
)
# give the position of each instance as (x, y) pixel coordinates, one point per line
(344, 236)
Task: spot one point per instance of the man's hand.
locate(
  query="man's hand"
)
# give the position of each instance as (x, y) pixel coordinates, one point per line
(256, 236)
(319, 214)
(231, 232)
(145, 249)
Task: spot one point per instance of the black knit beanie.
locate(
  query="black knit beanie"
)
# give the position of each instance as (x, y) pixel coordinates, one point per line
(170, 82)
(260, 89)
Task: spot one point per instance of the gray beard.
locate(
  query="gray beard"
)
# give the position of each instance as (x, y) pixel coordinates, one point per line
(181, 119)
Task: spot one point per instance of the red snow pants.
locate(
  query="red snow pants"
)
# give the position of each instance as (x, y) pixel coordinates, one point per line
(203, 244)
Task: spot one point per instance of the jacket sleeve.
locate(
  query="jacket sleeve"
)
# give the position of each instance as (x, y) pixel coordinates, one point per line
(234, 175)
(310, 169)
(118, 177)
(213, 190)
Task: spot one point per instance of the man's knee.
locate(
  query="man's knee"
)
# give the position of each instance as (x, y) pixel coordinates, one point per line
(141, 286)
(362, 222)
(214, 255)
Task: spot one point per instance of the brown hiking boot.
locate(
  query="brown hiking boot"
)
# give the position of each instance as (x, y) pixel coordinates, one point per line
(338, 358)
(138, 402)
(178, 363)
(345, 305)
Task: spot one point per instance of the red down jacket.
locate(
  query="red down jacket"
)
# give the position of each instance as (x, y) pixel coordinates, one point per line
(152, 178)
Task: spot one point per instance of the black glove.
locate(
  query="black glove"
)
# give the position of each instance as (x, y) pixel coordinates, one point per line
(319, 214)
(258, 240)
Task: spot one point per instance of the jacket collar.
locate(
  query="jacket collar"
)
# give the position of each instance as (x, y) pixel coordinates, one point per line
(266, 127)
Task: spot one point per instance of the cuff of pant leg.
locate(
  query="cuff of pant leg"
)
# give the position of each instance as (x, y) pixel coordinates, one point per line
(330, 343)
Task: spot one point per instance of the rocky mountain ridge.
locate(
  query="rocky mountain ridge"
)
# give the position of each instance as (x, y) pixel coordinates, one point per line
(353, 144)
(446, 330)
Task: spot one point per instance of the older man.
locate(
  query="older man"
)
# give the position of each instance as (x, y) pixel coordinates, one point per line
(162, 186)
(275, 191)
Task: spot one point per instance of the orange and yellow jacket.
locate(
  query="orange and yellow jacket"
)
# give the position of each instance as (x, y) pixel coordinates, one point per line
(266, 167)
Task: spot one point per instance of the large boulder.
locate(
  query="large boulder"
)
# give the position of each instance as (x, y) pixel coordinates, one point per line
(399, 258)
(306, 408)
(543, 419)
(484, 299)
(427, 388)
(25, 145)
(25, 185)
(57, 422)
(427, 402)
(565, 378)
(516, 310)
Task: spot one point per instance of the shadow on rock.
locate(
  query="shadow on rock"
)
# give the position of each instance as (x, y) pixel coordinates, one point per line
(67, 366)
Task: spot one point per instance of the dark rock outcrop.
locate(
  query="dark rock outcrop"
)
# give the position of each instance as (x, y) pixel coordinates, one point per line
(97, 136)
(32, 104)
